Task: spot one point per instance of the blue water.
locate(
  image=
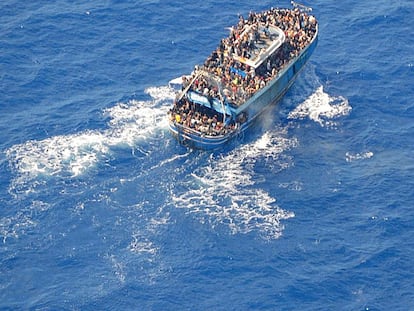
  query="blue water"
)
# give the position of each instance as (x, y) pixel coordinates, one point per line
(101, 209)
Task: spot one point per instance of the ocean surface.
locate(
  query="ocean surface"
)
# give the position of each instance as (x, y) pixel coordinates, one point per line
(102, 209)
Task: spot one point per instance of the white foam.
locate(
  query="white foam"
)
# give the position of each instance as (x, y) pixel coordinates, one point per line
(141, 245)
(130, 123)
(293, 186)
(322, 108)
(118, 267)
(161, 93)
(13, 226)
(223, 192)
(350, 157)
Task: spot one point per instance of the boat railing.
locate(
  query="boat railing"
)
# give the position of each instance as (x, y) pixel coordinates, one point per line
(188, 130)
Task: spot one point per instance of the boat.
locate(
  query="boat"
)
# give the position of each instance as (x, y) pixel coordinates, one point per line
(249, 71)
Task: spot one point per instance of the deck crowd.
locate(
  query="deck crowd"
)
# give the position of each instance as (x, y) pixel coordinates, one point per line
(238, 81)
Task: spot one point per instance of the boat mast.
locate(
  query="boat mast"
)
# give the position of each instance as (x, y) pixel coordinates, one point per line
(221, 99)
(188, 87)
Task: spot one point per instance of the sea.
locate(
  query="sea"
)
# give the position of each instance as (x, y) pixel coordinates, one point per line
(102, 209)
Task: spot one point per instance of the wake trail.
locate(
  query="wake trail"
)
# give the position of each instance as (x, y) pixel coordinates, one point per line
(224, 192)
(131, 124)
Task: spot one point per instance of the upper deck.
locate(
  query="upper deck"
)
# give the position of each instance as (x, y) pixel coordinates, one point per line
(264, 41)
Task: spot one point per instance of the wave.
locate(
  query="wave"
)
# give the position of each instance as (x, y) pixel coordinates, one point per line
(350, 157)
(322, 108)
(223, 192)
(130, 123)
(13, 226)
